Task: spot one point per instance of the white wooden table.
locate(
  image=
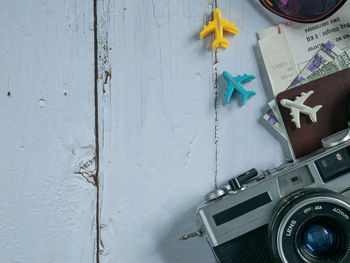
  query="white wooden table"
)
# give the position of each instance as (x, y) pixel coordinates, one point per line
(114, 126)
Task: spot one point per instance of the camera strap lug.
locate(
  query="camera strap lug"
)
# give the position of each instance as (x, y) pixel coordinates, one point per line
(190, 235)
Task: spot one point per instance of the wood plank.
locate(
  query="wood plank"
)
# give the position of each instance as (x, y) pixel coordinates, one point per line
(166, 133)
(47, 191)
(244, 141)
(157, 128)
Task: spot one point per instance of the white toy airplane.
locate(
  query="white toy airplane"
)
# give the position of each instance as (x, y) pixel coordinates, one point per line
(297, 106)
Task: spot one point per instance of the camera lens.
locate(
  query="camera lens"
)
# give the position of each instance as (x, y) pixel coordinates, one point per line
(311, 226)
(318, 239)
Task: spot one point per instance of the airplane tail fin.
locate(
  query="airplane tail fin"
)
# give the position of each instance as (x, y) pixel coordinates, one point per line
(224, 43)
(247, 95)
(313, 113)
(220, 42)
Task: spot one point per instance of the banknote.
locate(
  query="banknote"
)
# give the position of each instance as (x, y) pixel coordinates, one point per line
(339, 63)
(326, 54)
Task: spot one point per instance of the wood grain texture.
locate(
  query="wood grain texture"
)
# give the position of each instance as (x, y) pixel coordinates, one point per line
(169, 133)
(158, 152)
(47, 191)
(244, 141)
(164, 133)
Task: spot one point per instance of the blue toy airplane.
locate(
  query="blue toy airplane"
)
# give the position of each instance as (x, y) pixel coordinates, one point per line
(235, 83)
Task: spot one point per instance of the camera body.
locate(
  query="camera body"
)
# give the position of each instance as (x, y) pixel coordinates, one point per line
(275, 217)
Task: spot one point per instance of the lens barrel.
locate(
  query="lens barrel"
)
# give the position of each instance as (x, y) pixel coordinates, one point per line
(311, 226)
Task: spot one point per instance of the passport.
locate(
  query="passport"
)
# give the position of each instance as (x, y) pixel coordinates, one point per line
(333, 93)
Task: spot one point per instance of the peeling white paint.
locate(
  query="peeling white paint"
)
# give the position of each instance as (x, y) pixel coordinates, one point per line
(166, 139)
(161, 139)
(47, 213)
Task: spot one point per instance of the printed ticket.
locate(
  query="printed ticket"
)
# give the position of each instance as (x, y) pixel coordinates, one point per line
(288, 48)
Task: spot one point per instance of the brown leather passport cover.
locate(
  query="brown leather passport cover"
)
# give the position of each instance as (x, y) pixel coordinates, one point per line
(333, 93)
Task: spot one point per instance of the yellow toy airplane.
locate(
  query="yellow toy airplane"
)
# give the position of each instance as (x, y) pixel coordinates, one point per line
(219, 26)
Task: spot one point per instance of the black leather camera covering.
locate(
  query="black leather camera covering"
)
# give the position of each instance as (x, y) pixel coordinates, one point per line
(252, 247)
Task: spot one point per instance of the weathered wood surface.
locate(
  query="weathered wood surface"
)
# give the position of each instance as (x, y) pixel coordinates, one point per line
(47, 191)
(164, 135)
(244, 140)
(165, 131)
(158, 150)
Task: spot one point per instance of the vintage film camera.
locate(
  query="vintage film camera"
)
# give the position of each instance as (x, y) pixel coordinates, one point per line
(298, 212)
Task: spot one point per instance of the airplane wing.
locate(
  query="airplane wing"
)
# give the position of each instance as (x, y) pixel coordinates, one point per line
(208, 29)
(304, 96)
(295, 113)
(229, 27)
(229, 91)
